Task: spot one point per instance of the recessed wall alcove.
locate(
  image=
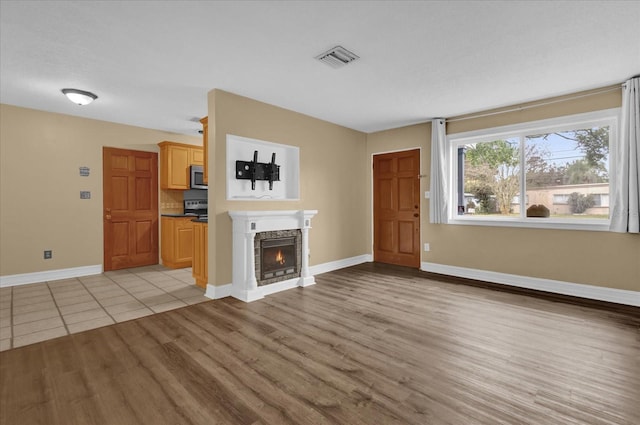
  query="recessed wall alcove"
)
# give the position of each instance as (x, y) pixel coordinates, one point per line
(287, 157)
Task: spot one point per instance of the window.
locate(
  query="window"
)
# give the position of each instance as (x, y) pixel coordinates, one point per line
(561, 166)
(561, 199)
(601, 200)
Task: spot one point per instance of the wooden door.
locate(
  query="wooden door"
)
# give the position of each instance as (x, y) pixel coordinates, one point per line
(396, 208)
(130, 187)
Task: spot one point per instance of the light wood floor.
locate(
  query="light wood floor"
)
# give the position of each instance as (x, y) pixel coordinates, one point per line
(370, 344)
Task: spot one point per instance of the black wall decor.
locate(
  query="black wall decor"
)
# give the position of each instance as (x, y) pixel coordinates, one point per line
(254, 170)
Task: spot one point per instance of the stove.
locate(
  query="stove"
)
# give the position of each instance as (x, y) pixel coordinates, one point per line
(196, 208)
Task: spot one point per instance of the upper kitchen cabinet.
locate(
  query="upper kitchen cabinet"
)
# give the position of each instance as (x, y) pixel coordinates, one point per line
(197, 157)
(205, 144)
(175, 159)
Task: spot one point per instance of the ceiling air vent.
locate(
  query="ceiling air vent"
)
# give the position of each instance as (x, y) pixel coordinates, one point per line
(337, 57)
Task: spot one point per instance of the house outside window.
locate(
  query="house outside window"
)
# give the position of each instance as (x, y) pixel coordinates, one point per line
(561, 165)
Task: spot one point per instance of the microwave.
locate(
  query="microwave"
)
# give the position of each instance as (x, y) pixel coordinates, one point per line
(197, 177)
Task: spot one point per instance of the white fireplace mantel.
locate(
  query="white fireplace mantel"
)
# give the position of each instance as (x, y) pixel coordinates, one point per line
(245, 226)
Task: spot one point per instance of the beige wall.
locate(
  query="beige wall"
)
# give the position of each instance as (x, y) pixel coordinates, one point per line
(595, 258)
(40, 208)
(333, 179)
(40, 205)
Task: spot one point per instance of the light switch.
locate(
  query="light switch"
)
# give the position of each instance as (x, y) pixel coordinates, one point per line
(427, 194)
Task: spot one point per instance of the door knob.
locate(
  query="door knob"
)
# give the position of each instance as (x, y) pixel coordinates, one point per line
(108, 216)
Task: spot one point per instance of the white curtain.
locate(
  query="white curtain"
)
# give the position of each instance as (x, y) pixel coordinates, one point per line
(625, 215)
(438, 189)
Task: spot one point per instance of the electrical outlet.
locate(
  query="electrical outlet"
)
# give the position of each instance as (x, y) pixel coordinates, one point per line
(426, 247)
(48, 254)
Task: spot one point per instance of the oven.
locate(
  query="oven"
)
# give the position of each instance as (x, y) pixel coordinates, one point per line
(196, 208)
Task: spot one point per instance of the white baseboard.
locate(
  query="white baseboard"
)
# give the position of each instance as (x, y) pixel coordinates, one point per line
(340, 264)
(217, 292)
(600, 293)
(49, 275)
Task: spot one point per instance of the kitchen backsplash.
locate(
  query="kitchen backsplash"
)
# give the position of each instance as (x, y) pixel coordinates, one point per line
(172, 201)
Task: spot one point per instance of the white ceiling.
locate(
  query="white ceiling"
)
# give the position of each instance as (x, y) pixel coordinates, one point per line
(152, 62)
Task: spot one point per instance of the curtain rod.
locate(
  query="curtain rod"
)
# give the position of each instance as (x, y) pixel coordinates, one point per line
(522, 108)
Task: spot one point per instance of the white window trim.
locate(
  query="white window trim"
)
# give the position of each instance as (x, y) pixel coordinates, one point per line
(603, 117)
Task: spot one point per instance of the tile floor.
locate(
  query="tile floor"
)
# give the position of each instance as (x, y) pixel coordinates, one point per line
(40, 311)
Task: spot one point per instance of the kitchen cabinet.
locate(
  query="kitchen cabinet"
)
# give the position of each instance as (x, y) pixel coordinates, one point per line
(200, 253)
(196, 157)
(205, 147)
(175, 159)
(177, 241)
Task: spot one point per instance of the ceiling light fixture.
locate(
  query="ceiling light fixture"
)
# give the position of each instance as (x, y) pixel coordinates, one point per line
(79, 97)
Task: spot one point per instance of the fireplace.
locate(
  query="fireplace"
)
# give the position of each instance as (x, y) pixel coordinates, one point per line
(250, 228)
(278, 255)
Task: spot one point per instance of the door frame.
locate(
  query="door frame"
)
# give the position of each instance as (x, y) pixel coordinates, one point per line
(371, 183)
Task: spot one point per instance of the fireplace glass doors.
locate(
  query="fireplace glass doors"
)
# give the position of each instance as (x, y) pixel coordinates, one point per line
(278, 256)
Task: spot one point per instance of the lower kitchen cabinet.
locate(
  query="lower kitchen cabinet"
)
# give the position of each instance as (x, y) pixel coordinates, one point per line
(200, 253)
(177, 241)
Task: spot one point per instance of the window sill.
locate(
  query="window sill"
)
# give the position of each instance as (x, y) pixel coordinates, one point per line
(534, 223)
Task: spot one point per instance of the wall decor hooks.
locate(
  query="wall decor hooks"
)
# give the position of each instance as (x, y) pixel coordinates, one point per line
(254, 171)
